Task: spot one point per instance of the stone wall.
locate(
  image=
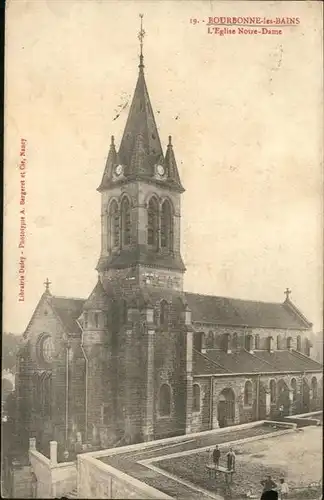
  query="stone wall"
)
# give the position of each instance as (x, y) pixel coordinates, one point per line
(99, 480)
(261, 407)
(51, 478)
(21, 481)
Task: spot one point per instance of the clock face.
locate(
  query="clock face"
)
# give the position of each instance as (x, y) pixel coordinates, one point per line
(160, 170)
(119, 170)
(48, 349)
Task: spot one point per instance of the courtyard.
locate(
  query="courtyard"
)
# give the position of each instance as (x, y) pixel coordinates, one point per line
(295, 456)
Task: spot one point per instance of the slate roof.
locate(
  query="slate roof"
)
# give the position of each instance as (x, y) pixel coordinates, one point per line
(68, 310)
(204, 365)
(98, 298)
(216, 361)
(141, 255)
(237, 312)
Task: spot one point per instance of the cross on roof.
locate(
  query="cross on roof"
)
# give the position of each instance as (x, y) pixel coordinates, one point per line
(141, 35)
(287, 293)
(47, 283)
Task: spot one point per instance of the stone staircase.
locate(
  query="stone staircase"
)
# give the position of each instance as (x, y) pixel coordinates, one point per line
(72, 494)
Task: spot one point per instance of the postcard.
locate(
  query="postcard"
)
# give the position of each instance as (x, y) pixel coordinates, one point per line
(163, 253)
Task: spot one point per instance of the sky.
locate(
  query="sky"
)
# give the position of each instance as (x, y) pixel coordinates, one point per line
(245, 114)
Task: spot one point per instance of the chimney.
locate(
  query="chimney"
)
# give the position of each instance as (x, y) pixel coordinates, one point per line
(270, 344)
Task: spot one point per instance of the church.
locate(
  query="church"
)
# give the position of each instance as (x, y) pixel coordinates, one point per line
(141, 359)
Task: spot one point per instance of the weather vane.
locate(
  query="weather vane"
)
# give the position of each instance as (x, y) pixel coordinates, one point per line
(141, 35)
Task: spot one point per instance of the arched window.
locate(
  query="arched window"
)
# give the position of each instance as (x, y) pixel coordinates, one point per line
(210, 340)
(278, 342)
(299, 346)
(96, 319)
(308, 346)
(293, 385)
(165, 400)
(198, 341)
(257, 341)
(114, 224)
(126, 222)
(314, 387)
(248, 342)
(289, 343)
(163, 313)
(235, 341)
(273, 391)
(196, 397)
(248, 393)
(166, 226)
(152, 223)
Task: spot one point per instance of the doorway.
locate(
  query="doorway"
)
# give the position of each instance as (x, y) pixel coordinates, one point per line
(226, 408)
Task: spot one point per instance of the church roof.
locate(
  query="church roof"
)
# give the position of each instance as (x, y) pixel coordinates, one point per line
(98, 298)
(250, 313)
(68, 310)
(140, 148)
(216, 361)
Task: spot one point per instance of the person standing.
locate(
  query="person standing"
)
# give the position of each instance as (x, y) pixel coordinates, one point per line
(216, 456)
(281, 411)
(283, 489)
(268, 484)
(231, 460)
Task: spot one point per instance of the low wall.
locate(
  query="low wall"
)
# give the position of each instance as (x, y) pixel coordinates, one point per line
(53, 479)
(41, 468)
(21, 486)
(310, 414)
(305, 419)
(99, 480)
(64, 478)
(176, 439)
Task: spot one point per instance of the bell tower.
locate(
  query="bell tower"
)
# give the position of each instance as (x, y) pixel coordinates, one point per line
(140, 201)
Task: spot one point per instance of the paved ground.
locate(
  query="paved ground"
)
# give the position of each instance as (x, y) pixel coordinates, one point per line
(178, 487)
(295, 456)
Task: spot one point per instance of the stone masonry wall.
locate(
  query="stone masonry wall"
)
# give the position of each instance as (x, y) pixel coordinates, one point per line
(213, 336)
(245, 413)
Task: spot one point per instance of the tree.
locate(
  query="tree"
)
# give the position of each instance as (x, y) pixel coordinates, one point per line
(10, 343)
(7, 388)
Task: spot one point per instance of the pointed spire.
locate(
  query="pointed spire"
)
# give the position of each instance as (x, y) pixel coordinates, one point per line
(141, 35)
(140, 149)
(112, 160)
(171, 165)
(141, 121)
